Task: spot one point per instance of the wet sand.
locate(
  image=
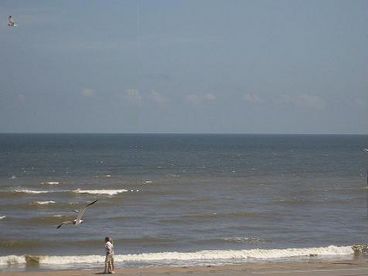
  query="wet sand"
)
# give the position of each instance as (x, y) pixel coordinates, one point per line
(315, 268)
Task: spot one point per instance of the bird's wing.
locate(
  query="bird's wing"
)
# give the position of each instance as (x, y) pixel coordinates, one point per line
(64, 222)
(81, 212)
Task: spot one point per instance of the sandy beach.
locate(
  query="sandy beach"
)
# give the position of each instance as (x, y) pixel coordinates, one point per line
(325, 268)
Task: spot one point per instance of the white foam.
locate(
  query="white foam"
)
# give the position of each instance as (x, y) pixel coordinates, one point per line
(12, 260)
(44, 202)
(65, 260)
(199, 257)
(261, 254)
(2, 217)
(30, 191)
(51, 182)
(100, 192)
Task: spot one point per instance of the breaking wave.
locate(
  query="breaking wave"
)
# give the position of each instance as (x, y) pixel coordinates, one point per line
(199, 257)
(46, 202)
(100, 192)
(78, 191)
(50, 182)
(26, 191)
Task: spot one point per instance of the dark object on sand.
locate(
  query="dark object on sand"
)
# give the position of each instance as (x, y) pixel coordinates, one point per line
(360, 249)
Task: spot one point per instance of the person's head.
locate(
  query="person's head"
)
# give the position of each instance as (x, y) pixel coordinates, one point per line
(107, 239)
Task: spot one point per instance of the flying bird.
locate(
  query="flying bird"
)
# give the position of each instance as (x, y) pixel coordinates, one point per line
(78, 220)
(11, 22)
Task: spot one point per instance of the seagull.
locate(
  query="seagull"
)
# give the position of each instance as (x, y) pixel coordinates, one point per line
(78, 219)
(11, 22)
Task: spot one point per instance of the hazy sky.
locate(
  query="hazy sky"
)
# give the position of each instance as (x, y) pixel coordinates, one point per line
(200, 66)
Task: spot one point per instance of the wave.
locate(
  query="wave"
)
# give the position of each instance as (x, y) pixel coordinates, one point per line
(78, 191)
(262, 254)
(21, 191)
(100, 192)
(26, 191)
(2, 217)
(50, 182)
(199, 257)
(46, 202)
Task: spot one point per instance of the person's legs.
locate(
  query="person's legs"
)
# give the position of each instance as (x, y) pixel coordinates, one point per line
(106, 270)
(112, 263)
(109, 268)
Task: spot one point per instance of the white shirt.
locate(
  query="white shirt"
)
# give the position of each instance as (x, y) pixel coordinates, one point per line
(109, 248)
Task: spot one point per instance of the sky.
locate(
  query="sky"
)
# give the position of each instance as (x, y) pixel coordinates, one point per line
(184, 66)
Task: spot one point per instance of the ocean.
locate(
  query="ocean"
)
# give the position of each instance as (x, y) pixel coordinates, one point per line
(180, 199)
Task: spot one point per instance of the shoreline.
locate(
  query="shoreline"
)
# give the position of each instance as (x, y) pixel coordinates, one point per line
(315, 267)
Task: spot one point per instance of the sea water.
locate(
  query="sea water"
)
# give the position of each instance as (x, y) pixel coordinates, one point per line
(170, 199)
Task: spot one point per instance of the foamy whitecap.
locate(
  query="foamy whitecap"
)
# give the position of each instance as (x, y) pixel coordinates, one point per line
(12, 260)
(46, 202)
(2, 217)
(242, 254)
(30, 191)
(199, 257)
(51, 183)
(100, 192)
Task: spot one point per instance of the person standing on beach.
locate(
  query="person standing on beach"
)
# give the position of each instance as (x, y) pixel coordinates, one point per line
(109, 259)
